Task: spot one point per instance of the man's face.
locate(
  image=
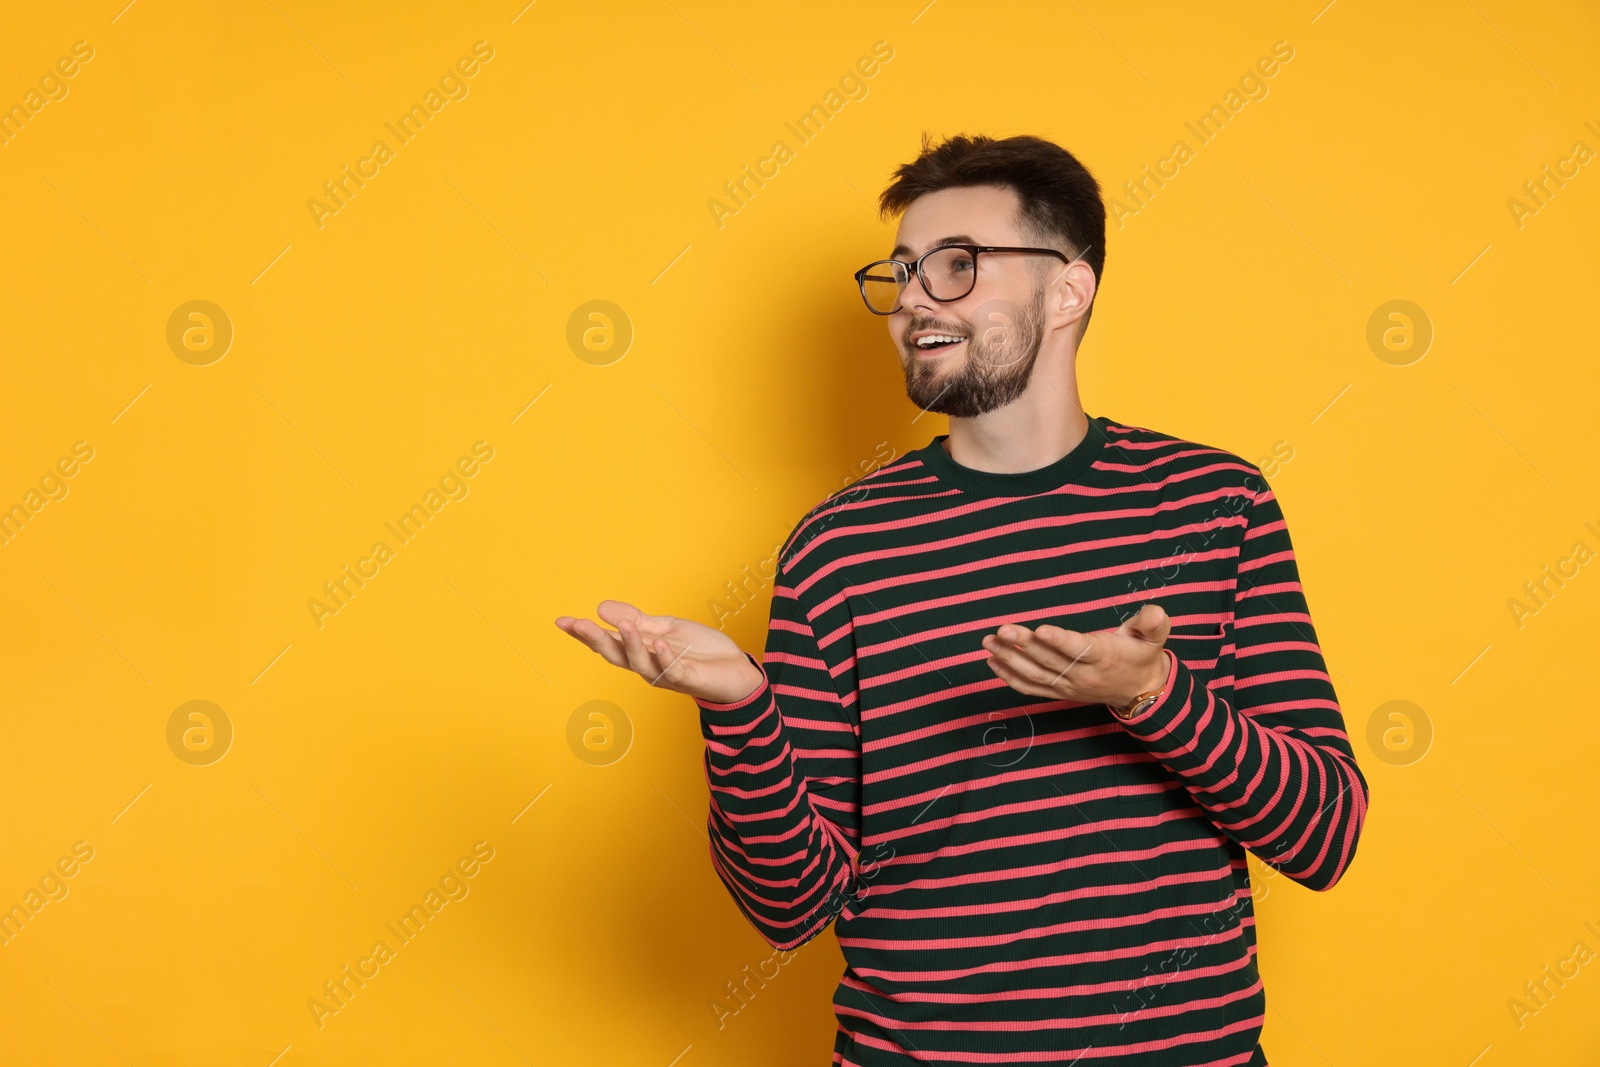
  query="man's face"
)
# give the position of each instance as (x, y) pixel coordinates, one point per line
(999, 325)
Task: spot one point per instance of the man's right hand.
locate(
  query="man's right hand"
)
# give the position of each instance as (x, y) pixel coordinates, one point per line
(668, 652)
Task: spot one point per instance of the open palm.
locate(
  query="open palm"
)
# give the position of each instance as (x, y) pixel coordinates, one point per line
(668, 652)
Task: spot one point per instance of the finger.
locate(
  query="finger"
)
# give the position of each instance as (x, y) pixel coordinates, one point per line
(628, 620)
(1008, 638)
(605, 642)
(1074, 644)
(666, 649)
(1015, 680)
(647, 624)
(614, 611)
(678, 671)
(640, 657)
(1022, 685)
(663, 653)
(1057, 654)
(1027, 663)
(1085, 672)
(1020, 650)
(1058, 649)
(569, 625)
(1012, 633)
(1025, 654)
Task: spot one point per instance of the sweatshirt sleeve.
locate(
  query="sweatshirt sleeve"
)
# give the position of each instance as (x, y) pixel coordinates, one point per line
(783, 766)
(1273, 767)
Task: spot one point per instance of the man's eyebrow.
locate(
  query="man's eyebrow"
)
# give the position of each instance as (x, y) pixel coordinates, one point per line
(953, 239)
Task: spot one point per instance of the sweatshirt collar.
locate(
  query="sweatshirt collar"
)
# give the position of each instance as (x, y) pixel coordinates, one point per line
(1021, 483)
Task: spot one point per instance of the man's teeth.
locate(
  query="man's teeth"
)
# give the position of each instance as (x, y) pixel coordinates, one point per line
(935, 338)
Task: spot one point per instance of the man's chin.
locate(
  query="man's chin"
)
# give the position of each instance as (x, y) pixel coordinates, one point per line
(937, 403)
(926, 391)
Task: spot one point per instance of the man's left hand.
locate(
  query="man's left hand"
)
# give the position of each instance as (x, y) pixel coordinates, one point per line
(1103, 667)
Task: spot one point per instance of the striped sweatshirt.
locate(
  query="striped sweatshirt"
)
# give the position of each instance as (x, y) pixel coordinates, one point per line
(1015, 879)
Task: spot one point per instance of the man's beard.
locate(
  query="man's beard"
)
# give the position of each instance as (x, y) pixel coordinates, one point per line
(999, 361)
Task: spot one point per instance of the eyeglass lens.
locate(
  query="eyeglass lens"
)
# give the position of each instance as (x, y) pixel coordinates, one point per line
(949, 274)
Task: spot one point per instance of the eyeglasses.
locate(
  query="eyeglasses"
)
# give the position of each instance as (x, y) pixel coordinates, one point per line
(947, 273)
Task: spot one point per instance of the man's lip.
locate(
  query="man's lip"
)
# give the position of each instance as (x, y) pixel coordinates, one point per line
(929, 353)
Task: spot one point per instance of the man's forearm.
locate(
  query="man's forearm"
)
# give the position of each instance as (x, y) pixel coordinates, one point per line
(781, 860)
(1295, 804)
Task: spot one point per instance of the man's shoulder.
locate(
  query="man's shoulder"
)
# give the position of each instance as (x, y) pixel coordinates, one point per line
(1152, 452)
(890, 475)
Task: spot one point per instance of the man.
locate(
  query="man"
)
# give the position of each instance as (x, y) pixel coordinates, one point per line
(1030, 692)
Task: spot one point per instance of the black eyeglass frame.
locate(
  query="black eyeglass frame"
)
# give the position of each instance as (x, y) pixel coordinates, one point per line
(974, 250)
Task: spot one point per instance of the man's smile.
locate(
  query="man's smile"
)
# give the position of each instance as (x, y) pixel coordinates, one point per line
(933, 342)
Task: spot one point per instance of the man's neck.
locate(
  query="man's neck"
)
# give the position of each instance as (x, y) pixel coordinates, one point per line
(1033, 431)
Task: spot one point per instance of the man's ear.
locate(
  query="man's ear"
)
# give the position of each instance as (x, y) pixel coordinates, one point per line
(1076, 286)
(1078, 283)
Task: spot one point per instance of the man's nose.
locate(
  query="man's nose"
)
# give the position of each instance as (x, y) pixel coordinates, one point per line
(915, 296)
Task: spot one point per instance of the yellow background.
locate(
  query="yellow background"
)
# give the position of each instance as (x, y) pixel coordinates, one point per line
(371, 352)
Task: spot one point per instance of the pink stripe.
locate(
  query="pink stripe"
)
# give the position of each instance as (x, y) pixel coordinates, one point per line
(1101, 1052)
(1038, 963)
(1029, 934)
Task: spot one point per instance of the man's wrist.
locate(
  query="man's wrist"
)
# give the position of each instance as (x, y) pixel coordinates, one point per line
(1156, 682)
(757, 678)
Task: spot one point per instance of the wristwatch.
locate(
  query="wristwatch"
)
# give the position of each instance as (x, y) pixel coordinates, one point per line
(1139, 704)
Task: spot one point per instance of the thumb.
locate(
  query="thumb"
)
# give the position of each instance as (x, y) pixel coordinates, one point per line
(614, 611)
(1150, 624)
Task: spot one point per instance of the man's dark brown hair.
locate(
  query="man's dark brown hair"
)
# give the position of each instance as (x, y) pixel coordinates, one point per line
(1060, 200)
